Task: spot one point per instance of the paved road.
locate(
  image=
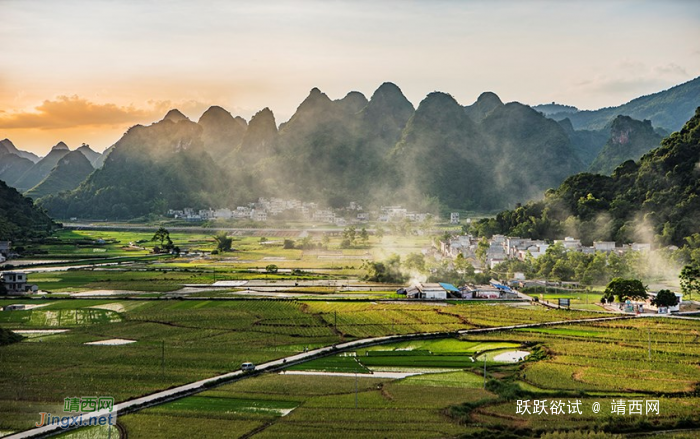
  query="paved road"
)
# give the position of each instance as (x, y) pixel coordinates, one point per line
(277, 365)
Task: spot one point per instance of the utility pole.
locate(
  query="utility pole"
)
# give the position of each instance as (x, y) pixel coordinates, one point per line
(649, 334)
(335, 320)
(484, 370)
(162, 357)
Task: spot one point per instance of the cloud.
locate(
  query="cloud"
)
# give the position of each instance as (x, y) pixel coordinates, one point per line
(670, 69)
(634, 77)
(73, 111)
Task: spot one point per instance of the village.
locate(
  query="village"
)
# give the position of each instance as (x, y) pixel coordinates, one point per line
(502, 248)
(268, 208)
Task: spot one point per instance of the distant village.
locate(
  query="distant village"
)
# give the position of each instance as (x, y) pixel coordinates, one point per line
(502, 248)
(268, 208)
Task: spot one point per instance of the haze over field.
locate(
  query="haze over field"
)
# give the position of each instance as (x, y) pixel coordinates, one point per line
(84, 71)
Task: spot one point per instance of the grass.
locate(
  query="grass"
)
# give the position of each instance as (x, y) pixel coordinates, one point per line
(338, 363)
(325, 407)
(459, 379)
(218, 404)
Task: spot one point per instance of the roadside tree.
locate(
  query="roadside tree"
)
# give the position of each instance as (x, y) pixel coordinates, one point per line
(625, 289)
(690, 280)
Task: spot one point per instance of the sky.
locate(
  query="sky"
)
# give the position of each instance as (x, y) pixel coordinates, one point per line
(84, 71)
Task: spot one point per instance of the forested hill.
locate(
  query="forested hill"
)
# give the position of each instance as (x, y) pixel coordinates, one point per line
(375, 151)
(667, 109)
(658, 196)
(19, 218)
(629, 140)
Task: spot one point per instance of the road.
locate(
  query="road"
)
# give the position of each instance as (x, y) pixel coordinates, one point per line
(190, 389)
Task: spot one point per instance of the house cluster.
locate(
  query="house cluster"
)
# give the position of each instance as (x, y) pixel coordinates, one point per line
(16, 282)
(398, 213)
(264, 209)
(443, 291)
(502, 248)
(267, 208)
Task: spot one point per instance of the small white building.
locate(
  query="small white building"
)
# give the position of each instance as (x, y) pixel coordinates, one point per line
(5, 247)
(324, 216)
(16, 282)
(604, 246)
(223, 214)
(432, 291)
(641, 247)
(454, 218)
(570, 243)
(260, 215)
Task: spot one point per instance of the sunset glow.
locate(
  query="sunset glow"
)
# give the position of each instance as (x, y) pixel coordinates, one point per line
(84, 71)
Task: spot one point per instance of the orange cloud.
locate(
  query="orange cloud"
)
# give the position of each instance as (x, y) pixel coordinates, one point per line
(71, 112)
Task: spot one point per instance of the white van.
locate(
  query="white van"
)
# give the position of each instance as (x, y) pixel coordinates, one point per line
(246, 367)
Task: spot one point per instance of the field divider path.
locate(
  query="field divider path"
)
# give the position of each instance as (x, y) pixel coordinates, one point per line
(168, 395)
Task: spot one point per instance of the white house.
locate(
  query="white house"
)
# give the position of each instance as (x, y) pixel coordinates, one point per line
(641, 247)
(5, 247)
(324, 216)
(432, 291)
(570, 243)
(16, 282)
(223, 213)
(604, 246)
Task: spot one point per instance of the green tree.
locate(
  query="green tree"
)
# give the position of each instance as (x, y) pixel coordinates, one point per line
(463, 266)
(690, 280)
(288, 244)
(415, 262)
(481, 249)
(349, 234)
(162, 236)
(3, 289)
(272, 268)
(306, 242)
(223, 242)
(388, 271)
(379, 232)
(596, 272)
(364, 236)
(665, 298)
(625, 289)
(563, 270)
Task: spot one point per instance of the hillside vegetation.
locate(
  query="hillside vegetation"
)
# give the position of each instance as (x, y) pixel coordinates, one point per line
(657, 197)
(19, 218)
